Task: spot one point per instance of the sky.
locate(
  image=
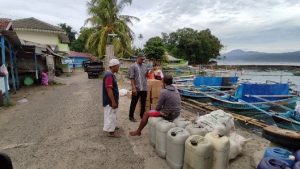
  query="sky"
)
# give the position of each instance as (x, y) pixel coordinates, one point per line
(257, 25)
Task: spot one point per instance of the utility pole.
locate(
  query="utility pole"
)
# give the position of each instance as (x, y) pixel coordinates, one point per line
(109, 50)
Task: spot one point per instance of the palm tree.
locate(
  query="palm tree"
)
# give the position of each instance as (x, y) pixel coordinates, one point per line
(106, 19)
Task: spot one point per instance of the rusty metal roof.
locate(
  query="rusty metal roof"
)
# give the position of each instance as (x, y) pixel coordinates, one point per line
(5, 24)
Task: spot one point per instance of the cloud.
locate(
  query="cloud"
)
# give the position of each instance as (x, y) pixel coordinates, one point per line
(269, 25)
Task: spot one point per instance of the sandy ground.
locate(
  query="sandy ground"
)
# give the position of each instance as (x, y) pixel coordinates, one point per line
(61, 127)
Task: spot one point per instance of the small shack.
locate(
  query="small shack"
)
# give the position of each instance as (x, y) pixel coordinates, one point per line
(9, 45)
(76, 58)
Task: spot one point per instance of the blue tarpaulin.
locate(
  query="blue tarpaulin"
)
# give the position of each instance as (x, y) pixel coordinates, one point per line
(261, 89)
(207, 81)
(214, 81)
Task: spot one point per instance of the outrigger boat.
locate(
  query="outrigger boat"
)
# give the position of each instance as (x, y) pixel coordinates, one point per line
(288, 134)
(262, 96)
(202, 85)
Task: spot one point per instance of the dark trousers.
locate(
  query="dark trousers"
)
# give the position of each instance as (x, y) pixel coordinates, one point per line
(134, 100)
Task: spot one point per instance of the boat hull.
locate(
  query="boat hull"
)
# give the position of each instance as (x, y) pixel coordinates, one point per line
(286, 138)
(235, 105)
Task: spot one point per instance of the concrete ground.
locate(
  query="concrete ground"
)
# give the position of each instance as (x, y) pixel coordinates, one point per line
(61, 127)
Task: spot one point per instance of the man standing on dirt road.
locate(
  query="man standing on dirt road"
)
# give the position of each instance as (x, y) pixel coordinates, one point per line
(111, 98)
(138, 77)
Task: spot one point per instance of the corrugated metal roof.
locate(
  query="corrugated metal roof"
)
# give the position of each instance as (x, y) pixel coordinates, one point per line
(79, 54)
(35, 24)
(171, 58)
(64, 38)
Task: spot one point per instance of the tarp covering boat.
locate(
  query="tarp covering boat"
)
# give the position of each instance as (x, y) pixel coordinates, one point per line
(214, 81)
(245, 90)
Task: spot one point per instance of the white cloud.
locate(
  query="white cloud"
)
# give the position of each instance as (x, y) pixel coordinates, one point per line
(269, 25)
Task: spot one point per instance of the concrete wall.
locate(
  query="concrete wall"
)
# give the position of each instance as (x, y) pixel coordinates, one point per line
(39, 37)
(63, 47)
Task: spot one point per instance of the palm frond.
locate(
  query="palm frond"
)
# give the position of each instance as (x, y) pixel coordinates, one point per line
(123, 3)
(128, 17)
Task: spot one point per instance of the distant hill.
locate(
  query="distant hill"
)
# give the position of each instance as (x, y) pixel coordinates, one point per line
(242, 57)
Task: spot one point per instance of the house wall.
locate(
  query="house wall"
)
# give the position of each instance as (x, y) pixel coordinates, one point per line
(63, 47)
(39, 37)
(78, 61)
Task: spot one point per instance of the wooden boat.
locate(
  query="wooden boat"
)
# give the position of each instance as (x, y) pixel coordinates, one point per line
(232, 103)
(251, 96)
(296, 73)
(288, 120)
(196, 93)
(199, 88)
(284, 137)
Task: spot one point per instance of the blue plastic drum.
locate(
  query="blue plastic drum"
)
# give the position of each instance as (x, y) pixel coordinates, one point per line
(281, 154)
(297, 165)
(297, 155)
(272, 163)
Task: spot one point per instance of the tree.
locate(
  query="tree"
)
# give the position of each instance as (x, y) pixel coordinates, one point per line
(154, 48)
(137, 50)
(79, 44)
(106, 19)
(69, 30)
(198, 47)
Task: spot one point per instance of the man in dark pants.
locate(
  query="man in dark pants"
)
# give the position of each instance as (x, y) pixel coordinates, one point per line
(5, 162)
(138, 77)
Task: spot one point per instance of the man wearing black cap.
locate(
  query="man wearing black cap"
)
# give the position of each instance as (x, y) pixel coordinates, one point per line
(138, 77)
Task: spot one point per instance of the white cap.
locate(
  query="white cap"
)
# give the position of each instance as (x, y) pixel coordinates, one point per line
(113, 62)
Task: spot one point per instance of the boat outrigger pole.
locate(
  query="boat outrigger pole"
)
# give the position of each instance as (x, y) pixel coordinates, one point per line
(268, 101)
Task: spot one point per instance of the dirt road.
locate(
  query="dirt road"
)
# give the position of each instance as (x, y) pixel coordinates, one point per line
(61, 127)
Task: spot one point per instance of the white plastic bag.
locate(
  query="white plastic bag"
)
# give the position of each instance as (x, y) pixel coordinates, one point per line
(123, 92)
(217, 121)
(3, 70)
(236, 145)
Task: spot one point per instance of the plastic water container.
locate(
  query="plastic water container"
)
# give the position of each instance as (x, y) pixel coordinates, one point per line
(196, 129)
(281, 154)
(198, 153)
(176, 138)
(297, 155)
(152, 130)
(272, 163)
(221, 150)
(181, 122)
(162, 127)
(296, 165)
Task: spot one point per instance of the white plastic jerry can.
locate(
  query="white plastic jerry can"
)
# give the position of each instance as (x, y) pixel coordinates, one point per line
(196, 129)
(221, 150)
(198, 153)
(181, 122)
(162, 127)
(176, 138)
(152, 130)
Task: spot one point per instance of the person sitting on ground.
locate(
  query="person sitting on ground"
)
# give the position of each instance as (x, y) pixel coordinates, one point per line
(168, 106)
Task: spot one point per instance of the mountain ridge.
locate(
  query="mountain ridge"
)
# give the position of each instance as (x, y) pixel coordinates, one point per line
(241, 55)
